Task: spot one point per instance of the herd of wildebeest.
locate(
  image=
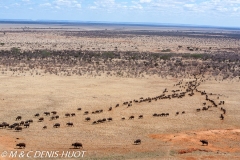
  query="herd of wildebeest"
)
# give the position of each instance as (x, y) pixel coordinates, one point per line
(220, 66)
(188, 88)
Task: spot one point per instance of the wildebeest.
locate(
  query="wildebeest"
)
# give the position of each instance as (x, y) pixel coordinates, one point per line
(123, 118)
(222, 117)
(54, 112)
(204, 142)
(5, 124)
(37, 115)
(44, 127)
(140, 117)
(15, 124)
(22, 123)
(117, 105)
(73, 114)
(21, 145)
(87, 119)
(224, 111)
(138, 141)
(204, 108)
(94, 122)
(56, 117)
(155, 115)
(67, 115)
(104, 120)
(41, 119)
(86, 112)
(18, 118)
(47, 113)
(56, 125)
(52, 118)
(26, 125)
(198, 110)
(79, 109)
(163, 114)
(177, 113)
(70, 124)
(99, 121)
(77, 145)
(109, 119)
(183, 112)
(18, 128)
(1, 126)
(11, 126)
(110, 108)
(131, 117)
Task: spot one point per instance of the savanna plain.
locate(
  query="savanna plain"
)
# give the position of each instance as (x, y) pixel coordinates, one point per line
(109, 86)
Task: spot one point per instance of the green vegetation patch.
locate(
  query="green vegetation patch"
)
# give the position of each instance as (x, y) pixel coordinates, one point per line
(166, 50)
(15, 50)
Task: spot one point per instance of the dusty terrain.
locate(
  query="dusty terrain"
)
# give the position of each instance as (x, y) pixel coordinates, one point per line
(64, 82)
(118, 38)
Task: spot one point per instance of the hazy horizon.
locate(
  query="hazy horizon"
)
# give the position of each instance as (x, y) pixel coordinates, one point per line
(72, 22)
(219, 13)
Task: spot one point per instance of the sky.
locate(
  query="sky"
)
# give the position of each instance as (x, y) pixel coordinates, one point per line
(224, 13)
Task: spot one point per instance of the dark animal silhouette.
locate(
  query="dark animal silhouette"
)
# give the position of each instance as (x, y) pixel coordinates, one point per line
(56, 125)
(87, 119)
(131, 117)
(70, 124)
(204, 142)
(77, 145)
(47, 113)
(138, 141)
(37, 115)
(18, 118)
(26, 125)
(67, 115)
(54, 112)
(21, 145)
(222, 117)
(18, 128)
(41, 119)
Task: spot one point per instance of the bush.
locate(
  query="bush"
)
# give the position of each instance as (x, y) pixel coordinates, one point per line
(15, 50)
(45, 53)
(166, 50)
(108, 55)
(195, 56)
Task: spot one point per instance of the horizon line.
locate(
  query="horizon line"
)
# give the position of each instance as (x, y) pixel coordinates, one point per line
(112, 22)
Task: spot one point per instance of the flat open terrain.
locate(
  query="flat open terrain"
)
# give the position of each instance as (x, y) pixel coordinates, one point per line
(49, 80)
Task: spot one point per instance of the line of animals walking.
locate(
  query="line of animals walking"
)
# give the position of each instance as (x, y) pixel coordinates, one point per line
(189, 87)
